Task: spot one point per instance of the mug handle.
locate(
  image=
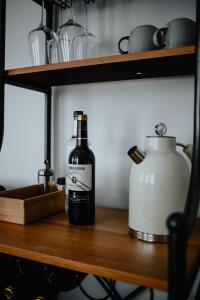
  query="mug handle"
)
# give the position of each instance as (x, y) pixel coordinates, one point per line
(159, 37)
(119, 45)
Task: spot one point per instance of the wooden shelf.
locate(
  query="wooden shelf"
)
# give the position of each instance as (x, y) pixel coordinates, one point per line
(157, 63)
(103, 249)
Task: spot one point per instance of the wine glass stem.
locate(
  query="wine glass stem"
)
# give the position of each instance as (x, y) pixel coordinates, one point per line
(86, 17)
(71, 12)
(42, 14)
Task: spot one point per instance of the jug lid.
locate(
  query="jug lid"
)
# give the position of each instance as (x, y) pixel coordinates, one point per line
(160, 129)
(160, 141)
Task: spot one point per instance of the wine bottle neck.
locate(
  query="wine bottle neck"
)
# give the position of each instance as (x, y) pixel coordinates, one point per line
(75, 128)
(81, 142)
(81, 139)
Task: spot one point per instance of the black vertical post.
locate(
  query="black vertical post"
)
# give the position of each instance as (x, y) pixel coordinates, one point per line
(2, 66)
(49, 14)
(48, 94)
(177, 245)
(194, 189)
(180, 225)
(48, 118)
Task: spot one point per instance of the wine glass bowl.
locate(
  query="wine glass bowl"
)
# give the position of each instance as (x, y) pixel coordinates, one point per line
(43, 43)
(52, 50)
(85, 45)
(66, 34)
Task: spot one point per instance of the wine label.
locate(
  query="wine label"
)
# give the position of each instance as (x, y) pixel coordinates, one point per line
(79, 177)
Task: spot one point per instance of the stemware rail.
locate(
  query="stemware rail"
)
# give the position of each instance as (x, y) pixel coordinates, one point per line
(63, 3)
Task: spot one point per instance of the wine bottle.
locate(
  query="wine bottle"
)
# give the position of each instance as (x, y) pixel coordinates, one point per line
(64, 279)
(2, 273)
(45, 291)
(38, 286)
(81, 178)
(15, 278)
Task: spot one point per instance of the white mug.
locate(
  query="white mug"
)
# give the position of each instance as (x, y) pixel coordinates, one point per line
(140, 39)
(178, 32)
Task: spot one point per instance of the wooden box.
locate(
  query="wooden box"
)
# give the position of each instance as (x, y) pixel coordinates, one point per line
(28, 204)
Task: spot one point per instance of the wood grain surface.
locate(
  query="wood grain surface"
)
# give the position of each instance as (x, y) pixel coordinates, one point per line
(103, 249)
(28, 204)
(164, 62)
(105, 60)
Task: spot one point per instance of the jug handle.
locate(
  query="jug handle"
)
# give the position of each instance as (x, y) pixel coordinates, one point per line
(136, 154)
(187, 149)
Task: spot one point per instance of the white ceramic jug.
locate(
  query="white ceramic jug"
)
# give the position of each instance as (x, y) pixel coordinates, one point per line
(159, 181)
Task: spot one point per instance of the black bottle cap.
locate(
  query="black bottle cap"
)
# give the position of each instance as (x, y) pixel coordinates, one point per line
(77, 112)
(61, 180)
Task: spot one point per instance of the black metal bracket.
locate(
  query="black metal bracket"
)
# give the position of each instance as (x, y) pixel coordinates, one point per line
(112, 292)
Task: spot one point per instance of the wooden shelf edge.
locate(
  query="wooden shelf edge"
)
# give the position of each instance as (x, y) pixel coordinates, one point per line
(86, 268)
(181, 51)
(121, 257)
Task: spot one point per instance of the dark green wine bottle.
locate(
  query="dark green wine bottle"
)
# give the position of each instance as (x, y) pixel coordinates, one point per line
(81, 178)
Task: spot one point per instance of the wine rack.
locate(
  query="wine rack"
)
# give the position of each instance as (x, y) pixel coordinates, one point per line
(25, 279)
(22, 279)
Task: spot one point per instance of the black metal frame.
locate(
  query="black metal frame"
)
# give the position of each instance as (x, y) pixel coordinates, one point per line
(48, 94)
(180, 225)
(2, 66)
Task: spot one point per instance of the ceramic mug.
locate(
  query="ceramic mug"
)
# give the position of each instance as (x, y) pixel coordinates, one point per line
(140, 39)
(178, 32)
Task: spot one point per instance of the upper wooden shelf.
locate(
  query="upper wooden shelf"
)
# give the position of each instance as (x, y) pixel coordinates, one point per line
(103, 249)
(165, 62)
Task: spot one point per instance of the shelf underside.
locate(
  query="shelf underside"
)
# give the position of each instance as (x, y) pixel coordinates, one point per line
(149, 64)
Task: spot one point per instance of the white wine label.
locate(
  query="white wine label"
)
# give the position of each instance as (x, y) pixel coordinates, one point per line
(79, 177)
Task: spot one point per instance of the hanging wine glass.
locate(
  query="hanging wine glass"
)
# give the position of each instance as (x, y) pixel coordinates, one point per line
(85, 44)
(52, 49)
(43, 43)
(66, 33)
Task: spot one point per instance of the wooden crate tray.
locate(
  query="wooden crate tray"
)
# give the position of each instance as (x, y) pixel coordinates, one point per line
(28, 204)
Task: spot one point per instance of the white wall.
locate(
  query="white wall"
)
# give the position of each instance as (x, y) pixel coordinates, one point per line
(22, 152)
(120, 114)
